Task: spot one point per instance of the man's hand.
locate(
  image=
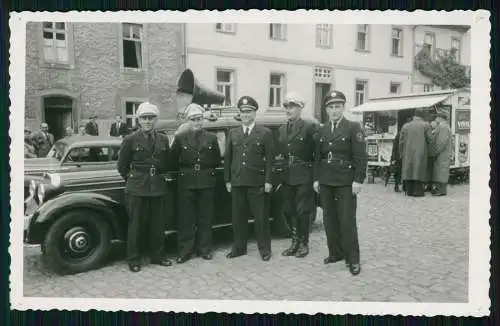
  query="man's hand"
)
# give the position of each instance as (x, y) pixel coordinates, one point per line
(228, 186)
(268, 187)
(356, 188)
(316, 186)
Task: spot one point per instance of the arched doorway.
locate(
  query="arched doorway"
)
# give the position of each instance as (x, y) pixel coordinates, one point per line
(58, 114)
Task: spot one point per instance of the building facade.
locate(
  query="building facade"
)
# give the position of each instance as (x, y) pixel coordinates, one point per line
(76, 70)
(440, 40)
(268, 60)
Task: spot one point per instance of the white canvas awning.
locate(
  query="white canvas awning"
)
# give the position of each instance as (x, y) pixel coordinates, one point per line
(400, 103)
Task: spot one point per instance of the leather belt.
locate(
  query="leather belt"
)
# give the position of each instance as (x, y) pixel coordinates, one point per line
(150, 169)
(195, 167)
(293, 159)
(332, 160)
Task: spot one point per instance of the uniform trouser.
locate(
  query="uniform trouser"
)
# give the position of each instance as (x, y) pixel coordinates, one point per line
(245, 201)
(397, 173)
(339, 219)
(196, 210)
(146, 227)
(299, 206)
(415, 188)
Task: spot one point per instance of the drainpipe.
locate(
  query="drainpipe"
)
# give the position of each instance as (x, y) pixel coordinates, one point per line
(412, 68)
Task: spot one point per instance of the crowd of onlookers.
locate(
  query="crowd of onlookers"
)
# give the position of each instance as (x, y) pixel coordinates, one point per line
(421, 155)
(39, 143)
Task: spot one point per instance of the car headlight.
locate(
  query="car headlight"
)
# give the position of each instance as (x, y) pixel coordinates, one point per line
(55, 179)
(32, 188)
(40, 193)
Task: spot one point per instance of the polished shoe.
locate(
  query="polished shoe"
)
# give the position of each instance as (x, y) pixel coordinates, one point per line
(332, 259)
(207, 255)
(134, 267)
(266, 257)
(355, 269)
(162, 262)
(292, 250)
(302, 251)
(234, 254)
(182, 259)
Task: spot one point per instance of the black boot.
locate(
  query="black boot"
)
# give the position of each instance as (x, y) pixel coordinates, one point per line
(292, 249)
(303, 249)
(396, 188)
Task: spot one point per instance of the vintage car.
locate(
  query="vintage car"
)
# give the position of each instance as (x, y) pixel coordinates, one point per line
(79, 212)
(74, 153)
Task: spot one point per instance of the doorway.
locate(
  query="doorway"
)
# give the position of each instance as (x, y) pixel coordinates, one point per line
(58, 114)
(320, 91)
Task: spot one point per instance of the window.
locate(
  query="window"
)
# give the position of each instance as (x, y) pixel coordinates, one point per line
(130, 113)
(55, 42)
(362, 38)
(225, 28)
(323, 75)
(276, 89)
(225, 85)
(91, 155)
(397, 42)
(455, 48)
(132, 46)
(428, 88)
(277, 32)
(429, 42)
(324, 37)
(361, 91)
(395, 88)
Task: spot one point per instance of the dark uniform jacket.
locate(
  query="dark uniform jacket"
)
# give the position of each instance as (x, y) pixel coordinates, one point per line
(115, 132)
(143, 163)
(196, 154)
(92, 129)
(296, 148)
(340, 157)
(248, 159)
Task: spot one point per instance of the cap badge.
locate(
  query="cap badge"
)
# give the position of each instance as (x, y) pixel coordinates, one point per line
(245, 101)
(334, 94)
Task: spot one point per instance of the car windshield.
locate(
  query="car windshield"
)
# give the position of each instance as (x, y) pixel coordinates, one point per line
(57, 150)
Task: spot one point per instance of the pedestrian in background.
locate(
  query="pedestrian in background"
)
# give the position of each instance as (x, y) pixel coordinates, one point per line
(92, 128)
(430, 165)
(42, 140)
(396, 163)
(82, 130)
(248, 173)
(69, 132)
(340, 170)
(118, 128)
(143, 158)
(296, 144)
(413, 146)
(29, 149)
(441, 151)
(196, 155)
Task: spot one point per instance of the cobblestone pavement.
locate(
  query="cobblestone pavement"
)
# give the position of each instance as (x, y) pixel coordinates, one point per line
(412, 249)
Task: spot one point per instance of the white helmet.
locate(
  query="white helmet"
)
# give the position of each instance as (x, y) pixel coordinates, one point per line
(293, 98)
(147, 108)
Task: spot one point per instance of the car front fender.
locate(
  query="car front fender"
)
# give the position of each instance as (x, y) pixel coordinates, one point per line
(108, 208)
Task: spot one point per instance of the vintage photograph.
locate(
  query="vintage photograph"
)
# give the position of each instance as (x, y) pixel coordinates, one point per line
(221, 158)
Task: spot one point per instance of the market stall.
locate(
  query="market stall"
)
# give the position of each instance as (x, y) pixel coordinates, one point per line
(384, 117)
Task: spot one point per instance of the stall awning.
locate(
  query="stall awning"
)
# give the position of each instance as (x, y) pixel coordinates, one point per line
(399, 103)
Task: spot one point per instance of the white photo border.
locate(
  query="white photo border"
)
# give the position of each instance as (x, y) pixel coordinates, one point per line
(480, 193)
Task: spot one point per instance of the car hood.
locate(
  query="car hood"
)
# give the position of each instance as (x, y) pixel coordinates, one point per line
(41, 164)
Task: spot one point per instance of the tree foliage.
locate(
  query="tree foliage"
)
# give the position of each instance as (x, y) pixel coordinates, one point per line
(444, 70)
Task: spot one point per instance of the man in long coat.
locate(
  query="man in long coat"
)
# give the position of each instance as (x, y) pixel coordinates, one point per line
(43, 140)
(92, 128)
(413, 146)
(441, 151)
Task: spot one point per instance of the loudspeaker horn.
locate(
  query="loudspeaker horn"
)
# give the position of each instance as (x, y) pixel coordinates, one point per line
(201, 95)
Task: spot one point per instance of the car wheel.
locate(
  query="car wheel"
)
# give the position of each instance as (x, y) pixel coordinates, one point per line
(77, 242)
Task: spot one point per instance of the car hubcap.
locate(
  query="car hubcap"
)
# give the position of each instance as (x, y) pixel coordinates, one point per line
(78, 241)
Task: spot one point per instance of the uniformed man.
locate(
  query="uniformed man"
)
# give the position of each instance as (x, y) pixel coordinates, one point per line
(42, 140)
(92, 128)
(143, 160)
(296, 145)
(196, 154)
(247, 173)
(339, 173)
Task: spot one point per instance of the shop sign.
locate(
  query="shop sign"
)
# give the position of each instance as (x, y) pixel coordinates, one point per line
(462, 121)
